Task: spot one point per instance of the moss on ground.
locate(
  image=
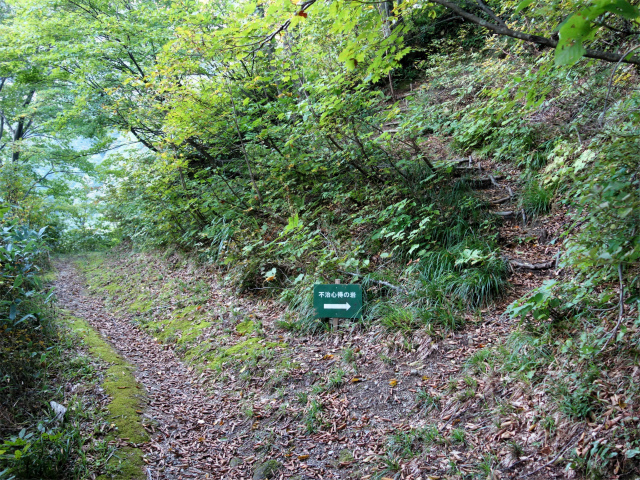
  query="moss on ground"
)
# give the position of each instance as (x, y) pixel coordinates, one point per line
(245, 328)
(177, 331)
(48, 277)
(126, 399)
(250, 348)
(142, 304)
(186, 325)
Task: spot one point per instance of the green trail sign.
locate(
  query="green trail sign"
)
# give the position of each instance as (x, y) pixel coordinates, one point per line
(337, 301)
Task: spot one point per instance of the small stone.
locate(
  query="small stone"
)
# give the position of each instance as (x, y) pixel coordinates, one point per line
(414, 372)
(235, 462)
(266, 470)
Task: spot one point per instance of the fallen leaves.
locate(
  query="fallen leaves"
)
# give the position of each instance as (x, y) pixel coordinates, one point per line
(227, 423)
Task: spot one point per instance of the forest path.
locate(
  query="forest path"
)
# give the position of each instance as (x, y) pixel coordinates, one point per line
(178, 410)
(352, 403)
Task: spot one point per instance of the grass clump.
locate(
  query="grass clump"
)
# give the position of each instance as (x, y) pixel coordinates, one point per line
(312, 419)
(427, 401)
(536, 199)
(470, 273)
(396, 318)
(405, 319)
(442, 316)
(409, 444)
(457, 436)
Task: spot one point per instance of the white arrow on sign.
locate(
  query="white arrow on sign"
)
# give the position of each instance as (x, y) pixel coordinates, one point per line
(337, 306)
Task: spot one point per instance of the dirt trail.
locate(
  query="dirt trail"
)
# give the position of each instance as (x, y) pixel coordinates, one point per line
(392, 409)
(178, 407)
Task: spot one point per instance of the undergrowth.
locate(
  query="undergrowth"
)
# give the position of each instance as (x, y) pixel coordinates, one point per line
(38, 366)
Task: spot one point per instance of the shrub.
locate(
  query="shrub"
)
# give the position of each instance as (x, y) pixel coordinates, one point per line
(22, 251)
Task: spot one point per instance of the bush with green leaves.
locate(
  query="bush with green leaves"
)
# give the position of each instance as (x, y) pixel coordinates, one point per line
(45, 453)
(22, 253)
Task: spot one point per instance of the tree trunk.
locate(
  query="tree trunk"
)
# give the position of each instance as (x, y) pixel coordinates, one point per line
(20, 129)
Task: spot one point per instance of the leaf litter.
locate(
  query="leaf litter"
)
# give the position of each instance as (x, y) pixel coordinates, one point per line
(394, 410)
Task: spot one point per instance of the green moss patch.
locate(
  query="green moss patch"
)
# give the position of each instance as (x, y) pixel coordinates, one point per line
(142, 304)
(245, 328)
(127, 398)
(177, 331)
(250, 348)
(172, 312)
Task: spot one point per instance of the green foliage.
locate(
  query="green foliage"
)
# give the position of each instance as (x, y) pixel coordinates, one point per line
(36, 359)
(399, 318)
(42, 455)
(457, 435)
(313, 415)
(21, 253)
(470, 272)
(607, 197)
(406, 445)
(426, 401)
(582, 27)
(260, 150)
(536, 199)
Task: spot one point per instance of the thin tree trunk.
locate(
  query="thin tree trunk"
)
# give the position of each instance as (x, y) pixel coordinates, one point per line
(20, 130)
(244, 150)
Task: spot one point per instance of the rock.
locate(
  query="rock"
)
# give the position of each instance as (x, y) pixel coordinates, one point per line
(266, 470)
(235, 462)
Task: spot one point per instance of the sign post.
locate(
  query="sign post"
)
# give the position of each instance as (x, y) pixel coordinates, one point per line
(337, 301)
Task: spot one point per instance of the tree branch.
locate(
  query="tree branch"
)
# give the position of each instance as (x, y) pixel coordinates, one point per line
(485, 8)
(527, 37)
(282, 27)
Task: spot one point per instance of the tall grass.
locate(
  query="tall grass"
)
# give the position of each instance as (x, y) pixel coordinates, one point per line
(536, 199)
(469, 272)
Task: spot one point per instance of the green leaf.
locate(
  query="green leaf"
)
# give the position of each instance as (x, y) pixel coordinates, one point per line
(632, 452)
(620, 7)
(350, 63)
(578, 28)
(522, 5)
(572, 34)
(624, 212)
